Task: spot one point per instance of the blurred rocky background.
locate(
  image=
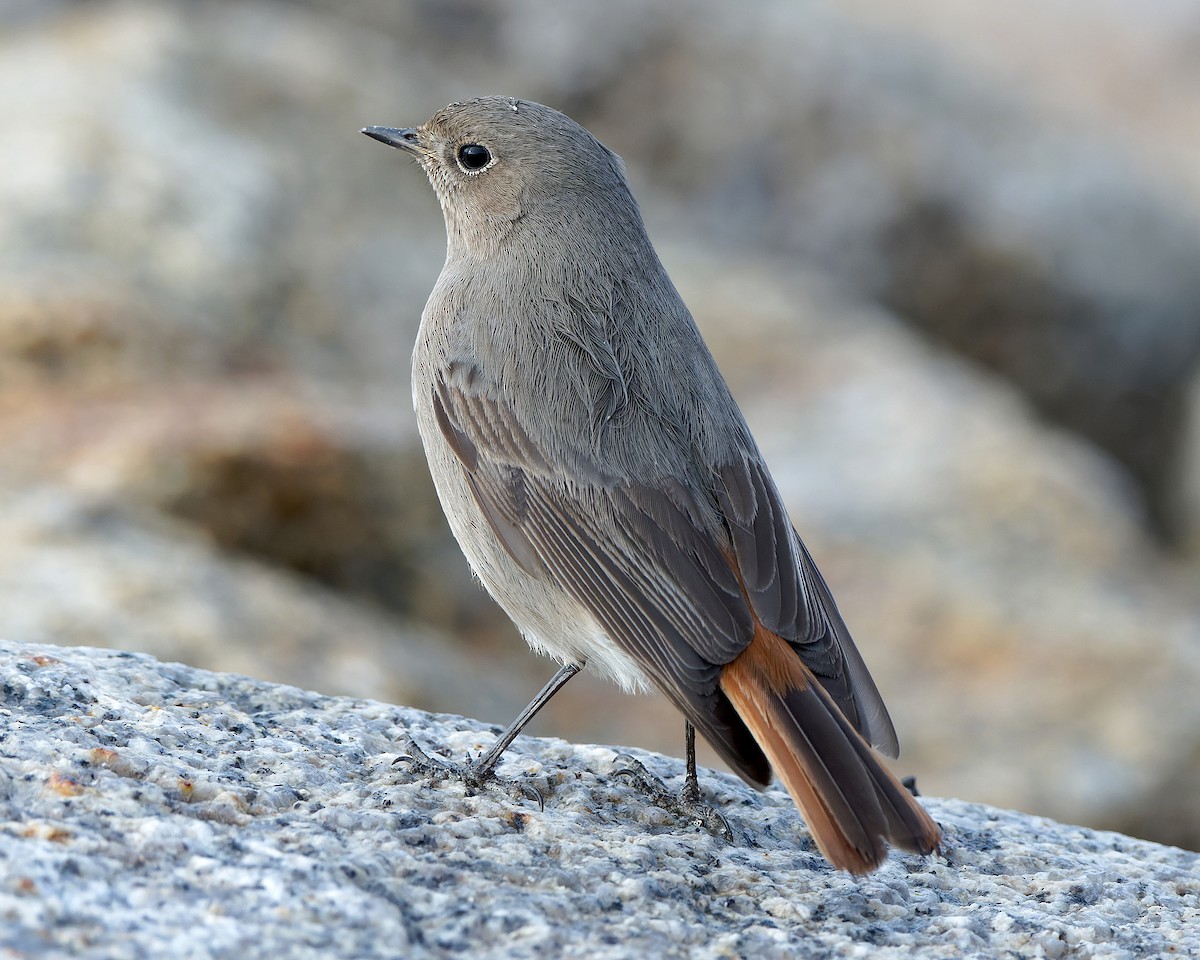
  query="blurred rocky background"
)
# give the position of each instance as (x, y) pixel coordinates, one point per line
(947, 254)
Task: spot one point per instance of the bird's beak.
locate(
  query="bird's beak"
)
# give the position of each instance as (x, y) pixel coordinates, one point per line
(403, 138)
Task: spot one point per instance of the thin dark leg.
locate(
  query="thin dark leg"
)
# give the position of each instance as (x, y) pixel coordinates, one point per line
(691, 783)
(476, 773)
(485, 764)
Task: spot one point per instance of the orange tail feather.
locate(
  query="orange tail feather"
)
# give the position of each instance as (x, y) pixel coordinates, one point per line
(852, 803)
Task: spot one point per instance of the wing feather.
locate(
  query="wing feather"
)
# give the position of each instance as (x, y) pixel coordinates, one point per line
(791, 598)
(661, 591)
(674, 575)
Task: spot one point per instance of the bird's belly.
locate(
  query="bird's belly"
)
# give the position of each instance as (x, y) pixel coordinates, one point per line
(552, 622)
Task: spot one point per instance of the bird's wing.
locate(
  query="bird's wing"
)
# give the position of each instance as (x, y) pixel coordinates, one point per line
(629, 554)
(790, 597)
(673, 587)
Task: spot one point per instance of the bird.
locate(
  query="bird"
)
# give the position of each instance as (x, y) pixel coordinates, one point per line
(604, 485)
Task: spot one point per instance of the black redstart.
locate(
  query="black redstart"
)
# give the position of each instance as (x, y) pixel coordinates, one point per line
(603, 483)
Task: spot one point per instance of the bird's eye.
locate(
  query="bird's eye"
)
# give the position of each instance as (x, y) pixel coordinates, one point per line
(473, 156)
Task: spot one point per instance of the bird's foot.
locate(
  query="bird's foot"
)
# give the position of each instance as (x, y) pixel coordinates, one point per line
(688, 805)
(472, 774)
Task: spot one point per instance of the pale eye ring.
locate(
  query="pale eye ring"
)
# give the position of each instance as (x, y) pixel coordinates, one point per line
(473, 157)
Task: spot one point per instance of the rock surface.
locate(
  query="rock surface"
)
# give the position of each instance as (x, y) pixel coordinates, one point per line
(150, 809)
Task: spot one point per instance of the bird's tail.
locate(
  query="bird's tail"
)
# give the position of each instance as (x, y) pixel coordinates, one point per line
(853, 805)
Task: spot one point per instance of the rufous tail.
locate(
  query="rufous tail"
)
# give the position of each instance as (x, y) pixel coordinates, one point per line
(853, 805)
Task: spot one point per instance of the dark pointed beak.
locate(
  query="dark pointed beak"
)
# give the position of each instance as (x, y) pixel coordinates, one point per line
(403, 138)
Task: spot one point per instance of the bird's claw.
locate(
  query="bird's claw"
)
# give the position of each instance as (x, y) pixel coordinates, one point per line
(687, 805)
(469, 773)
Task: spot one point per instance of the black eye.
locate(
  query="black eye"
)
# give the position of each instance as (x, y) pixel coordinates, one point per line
(473, 156)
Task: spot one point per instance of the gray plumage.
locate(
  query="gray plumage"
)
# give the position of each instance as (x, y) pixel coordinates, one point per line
(590, 459)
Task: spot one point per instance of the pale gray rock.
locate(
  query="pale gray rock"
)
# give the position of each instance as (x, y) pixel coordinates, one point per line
(149, 809)
(166, 171)
(98, 573)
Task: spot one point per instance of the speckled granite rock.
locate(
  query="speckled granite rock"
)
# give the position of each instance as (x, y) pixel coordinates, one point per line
(151, 810)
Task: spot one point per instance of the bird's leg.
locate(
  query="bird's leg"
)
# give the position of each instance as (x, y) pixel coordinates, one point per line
(691, 783)
(688, 805)
(475, 773)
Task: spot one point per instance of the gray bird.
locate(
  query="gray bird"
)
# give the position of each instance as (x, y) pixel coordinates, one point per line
(605, 488)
